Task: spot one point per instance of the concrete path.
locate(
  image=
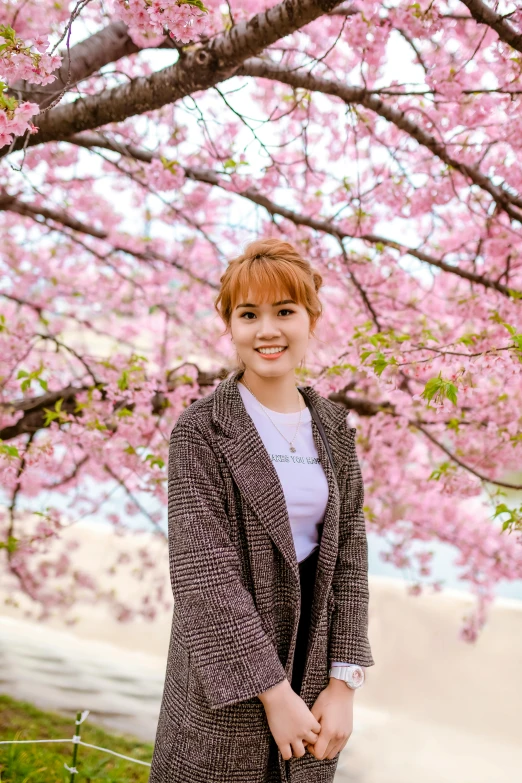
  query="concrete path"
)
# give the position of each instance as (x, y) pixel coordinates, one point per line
(56, 670)
(122, 689)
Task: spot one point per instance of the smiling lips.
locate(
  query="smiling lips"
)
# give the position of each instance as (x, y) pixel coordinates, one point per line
(271, 352)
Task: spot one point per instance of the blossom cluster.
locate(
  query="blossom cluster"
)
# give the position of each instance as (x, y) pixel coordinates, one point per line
(27, 60)
(183, 20)
(22, 60)
(15, 119)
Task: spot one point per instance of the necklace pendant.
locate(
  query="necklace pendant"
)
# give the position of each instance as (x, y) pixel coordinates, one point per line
(292, 448)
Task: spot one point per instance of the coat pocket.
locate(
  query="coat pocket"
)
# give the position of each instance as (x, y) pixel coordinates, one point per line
(231, 743)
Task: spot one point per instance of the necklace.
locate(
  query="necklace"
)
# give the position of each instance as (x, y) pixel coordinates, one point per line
(291, 442)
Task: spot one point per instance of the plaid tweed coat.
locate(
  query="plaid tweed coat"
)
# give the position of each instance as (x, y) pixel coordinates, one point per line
(235, 582)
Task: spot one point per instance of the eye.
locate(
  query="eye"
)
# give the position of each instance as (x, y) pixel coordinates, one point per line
(249, 312)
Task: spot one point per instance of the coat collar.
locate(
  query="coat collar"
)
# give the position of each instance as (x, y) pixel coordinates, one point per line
(258, 482)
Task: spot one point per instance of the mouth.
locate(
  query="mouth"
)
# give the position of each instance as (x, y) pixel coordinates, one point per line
(272, 354)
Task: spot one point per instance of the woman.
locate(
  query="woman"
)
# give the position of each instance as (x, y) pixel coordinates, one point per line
(268, 552)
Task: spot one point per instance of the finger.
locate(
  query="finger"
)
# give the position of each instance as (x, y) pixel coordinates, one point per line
(317, 714)
(311, 736)
(333, 749)
(286, 752)
(299, 749)
(320, 747)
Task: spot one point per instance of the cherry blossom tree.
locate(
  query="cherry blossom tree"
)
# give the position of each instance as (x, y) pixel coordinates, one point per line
(144, 142)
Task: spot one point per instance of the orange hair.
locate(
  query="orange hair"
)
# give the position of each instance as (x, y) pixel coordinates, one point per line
(270, 268)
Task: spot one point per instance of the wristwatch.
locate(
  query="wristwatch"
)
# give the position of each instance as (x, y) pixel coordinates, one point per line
(352, 675)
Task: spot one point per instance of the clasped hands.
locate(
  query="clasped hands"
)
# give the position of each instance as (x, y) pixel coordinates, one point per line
(323, 730)
(333, 708)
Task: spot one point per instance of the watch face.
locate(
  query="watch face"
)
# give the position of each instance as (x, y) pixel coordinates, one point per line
(356, 676)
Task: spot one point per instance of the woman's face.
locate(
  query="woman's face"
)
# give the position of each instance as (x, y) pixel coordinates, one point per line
(282, 323)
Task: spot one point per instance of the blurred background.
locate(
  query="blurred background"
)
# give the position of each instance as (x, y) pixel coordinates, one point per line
(382, 139)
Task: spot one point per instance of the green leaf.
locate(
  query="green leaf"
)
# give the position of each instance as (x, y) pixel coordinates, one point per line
(380, 363)
(196, 3)
(55, 415)
(154, 460)
(9, 451)
(451, 393)
(11, 544)
(338, 369)
(468, 339)
(453, 424)
(439, 388)
(442, 470)
(170, 165)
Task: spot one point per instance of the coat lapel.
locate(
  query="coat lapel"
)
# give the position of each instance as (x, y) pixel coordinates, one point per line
(252, 468)
(258, 482)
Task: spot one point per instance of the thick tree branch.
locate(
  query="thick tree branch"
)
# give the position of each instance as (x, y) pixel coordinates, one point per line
(326, 226)
(85, 59)
(197, 69)
(33, 418)
(486, 15)
(34, 415)
(265, 69)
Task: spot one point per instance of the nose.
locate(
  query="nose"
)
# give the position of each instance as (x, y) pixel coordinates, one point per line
(267, 329)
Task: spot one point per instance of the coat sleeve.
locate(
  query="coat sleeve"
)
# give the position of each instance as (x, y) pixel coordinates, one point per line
(229, 650)
(349, 632)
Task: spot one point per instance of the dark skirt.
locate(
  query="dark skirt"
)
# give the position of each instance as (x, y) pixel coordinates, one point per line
(307, 569)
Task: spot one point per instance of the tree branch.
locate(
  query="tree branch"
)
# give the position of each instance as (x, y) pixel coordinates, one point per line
(485, 15)
(34, 413)
(197, 69)
(267, 69)
(326, 226)
(12, 204)
(33, 418)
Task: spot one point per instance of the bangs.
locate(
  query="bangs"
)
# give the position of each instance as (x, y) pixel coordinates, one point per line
(261, 280)
(269, 270)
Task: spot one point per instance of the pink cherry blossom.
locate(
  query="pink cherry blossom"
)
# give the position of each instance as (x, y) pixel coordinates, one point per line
(382, 141)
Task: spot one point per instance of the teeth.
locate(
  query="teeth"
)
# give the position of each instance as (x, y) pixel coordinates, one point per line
(270, 350)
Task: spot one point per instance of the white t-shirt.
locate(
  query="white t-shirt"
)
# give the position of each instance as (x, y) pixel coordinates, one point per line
(301, 474)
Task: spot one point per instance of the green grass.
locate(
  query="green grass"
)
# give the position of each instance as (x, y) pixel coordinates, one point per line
(44, 763)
